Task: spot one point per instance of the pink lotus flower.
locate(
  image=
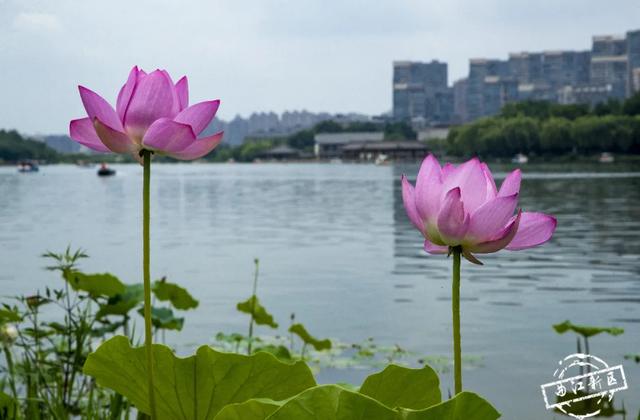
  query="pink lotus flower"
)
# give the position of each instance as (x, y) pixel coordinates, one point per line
(151, 113)
(460, 206)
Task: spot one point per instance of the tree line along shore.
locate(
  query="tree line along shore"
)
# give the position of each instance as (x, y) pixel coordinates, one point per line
(540, 129)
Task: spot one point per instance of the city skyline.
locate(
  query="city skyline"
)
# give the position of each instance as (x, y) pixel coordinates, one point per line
(609, 69)
(267, 57)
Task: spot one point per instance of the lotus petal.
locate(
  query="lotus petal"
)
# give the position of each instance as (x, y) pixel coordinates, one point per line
(428, 189)
(199, 147)
(124, 96)
(198, 116)
(535, 229)
(432, 248)
(452, 219)
(174, 92)
(511, 184)
(182, 89)
(500, 241)
(470, 177)
(491, 218)
(408, 198)
(153, 98)
(168, 136)
(84, 132)
(116, 141)
(97, 107)
(492, 191)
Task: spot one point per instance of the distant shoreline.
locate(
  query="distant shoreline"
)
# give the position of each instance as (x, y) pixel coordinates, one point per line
(533, 160)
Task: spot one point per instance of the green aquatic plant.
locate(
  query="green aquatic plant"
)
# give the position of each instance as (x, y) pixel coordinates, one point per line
(308, 339)
(173, 293)
(44, 355)
(110, 382)
(586, 331)
(46, 338)
(252, 306)
(634, 357)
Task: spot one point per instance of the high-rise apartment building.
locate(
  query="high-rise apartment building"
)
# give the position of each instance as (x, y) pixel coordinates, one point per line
(609, 64)
(420, 90)
(610, 69)
(526, 67)
(633, 60)
(460, 101)
(482, 70)
(561, 68)
(608, 45)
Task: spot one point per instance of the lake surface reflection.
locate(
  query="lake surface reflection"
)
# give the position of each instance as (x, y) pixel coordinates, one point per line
(337, 249)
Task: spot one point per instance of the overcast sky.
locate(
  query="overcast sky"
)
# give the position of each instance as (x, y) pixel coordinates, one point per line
(261, 55)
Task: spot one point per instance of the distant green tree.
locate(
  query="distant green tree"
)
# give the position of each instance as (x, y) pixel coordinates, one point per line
(252, 150)
(473, 138)
(362, 126)
(534, 109)
(592, 134)
(556, 136)
(222, 153)
(302, 140)
(328, 126)
(399, 131)
(612, 106)
(522, 135)
(570, 112)
(14, 147)
(632, 105)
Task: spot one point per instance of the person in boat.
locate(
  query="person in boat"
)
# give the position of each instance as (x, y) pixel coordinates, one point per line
(105, 170)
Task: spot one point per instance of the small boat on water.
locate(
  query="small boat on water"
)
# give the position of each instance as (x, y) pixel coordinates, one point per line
(105, 170)
(606, 158)
(520, 158)
(28, 166)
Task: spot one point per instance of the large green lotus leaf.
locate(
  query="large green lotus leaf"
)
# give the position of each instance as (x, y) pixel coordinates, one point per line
(585, 330)
(105, 284)
(464, 406)
(281, 352)
(196, 387)
(332, 402)
(255, 409)
(301, 331)
(260, 315)
(178, 296)
(121, 304)
(163, 318)
(398, 386)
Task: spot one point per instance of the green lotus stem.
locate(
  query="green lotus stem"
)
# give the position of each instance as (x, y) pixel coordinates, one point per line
(253, 303)
(455, 305)
(148, 333)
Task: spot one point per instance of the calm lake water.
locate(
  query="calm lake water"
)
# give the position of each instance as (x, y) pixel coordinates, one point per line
(337, 249)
